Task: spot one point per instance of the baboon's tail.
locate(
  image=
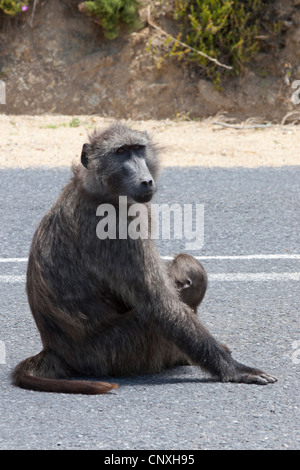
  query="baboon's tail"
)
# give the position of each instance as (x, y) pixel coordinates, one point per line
(31, 374)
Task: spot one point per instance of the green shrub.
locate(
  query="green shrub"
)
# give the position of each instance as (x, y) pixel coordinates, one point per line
(223, 29)
(112, 13)
(11, 7)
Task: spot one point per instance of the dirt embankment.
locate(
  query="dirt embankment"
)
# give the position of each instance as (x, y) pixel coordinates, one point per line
(63, 64)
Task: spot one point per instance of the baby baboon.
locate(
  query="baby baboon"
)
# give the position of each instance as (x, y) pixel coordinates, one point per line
(190, 281)
(107, 307)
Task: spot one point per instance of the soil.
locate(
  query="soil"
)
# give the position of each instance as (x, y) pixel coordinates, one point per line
(53, 141)
(63, 77)
(60, 62)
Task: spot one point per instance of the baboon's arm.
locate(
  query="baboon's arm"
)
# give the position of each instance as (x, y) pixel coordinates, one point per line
(153, 295)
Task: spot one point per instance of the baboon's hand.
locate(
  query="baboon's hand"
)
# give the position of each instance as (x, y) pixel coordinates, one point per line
(248, 375)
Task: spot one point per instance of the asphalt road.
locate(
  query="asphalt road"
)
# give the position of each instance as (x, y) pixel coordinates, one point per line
(252, 304)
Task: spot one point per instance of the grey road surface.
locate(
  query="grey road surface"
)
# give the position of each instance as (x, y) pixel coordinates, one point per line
(251, 243)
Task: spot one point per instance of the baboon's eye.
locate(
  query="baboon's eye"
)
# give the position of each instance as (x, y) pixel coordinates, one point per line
(179, 284)
(121, 150)
(139, 147)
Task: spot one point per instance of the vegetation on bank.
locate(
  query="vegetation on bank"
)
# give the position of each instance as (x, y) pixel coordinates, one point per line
(12, 7)
(209, 31)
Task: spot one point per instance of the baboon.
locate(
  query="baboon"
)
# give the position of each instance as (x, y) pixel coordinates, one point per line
(111, 307)
(190, 281)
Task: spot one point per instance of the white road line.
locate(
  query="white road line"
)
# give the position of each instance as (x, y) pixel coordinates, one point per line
(12, 279)
(254, 277)
(13, 260)
(217, 257)
(212, 277)
(2, 353)
(244, 257)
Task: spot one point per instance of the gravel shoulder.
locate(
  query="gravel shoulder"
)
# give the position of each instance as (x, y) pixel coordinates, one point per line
(56, 141)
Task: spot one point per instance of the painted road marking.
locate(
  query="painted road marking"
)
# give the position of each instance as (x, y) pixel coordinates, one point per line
(217, 257)
(212, 277)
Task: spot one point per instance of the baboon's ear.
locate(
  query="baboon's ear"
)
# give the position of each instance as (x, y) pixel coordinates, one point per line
(84, 155)
(186, 284)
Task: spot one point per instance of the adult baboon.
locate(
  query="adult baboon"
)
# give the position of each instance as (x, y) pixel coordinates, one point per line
(109, 307)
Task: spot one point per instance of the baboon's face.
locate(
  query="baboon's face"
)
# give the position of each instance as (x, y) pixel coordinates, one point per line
(129, 173)
(124, 162)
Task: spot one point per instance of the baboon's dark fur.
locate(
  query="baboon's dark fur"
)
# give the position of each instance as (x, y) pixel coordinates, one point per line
(113, 307)
(190, 280)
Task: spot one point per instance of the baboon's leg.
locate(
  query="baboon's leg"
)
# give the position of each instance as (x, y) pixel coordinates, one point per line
(125, 350)
(134, 346)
